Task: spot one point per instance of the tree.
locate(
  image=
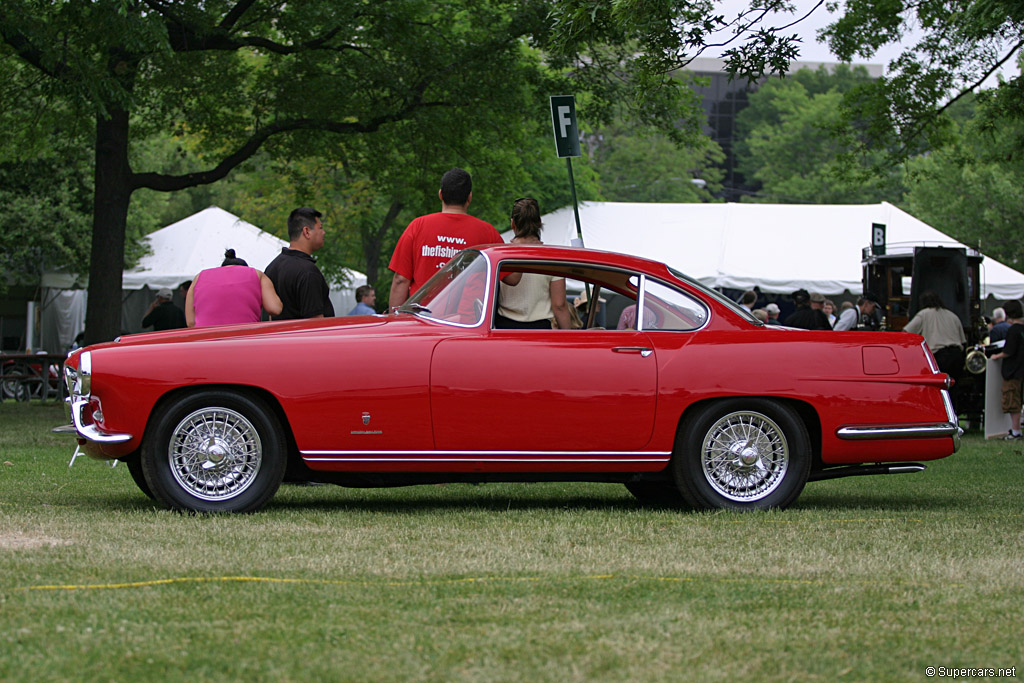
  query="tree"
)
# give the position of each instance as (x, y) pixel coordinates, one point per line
(962, 44)
(973, 188)
(792, 142)
(238, 74)
(645, 166)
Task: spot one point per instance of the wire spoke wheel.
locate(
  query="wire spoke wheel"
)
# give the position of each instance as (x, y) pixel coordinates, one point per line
(215, 453)
(744, 456)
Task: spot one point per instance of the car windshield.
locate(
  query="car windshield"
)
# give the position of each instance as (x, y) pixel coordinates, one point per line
(455, 294)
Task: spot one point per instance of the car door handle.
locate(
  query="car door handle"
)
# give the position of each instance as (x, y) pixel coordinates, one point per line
(642, 350)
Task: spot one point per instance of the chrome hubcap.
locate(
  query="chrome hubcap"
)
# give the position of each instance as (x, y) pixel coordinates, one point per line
(745, 456)
(215, 453)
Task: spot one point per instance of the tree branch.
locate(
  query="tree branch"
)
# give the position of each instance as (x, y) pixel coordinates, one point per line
(29, 52)
(171, 183)
(232, 17)
(927, 120)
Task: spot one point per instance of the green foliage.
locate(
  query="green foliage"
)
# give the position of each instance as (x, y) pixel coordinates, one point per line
(45, 220)
(793, 142)
(645, 166)
(961, 44)
(973, 188)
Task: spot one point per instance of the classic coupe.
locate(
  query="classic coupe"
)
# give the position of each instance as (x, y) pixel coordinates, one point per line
(696, 404)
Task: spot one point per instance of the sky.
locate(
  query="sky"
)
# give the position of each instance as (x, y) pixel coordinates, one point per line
(813, 51)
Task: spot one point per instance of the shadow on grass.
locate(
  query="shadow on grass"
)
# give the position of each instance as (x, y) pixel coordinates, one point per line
(456, 498)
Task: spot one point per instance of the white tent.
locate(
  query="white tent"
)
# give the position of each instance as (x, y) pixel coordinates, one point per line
(779, 247)
(176, 253)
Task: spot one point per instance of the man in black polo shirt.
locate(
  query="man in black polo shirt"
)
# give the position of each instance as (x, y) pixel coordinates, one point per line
(299, 283)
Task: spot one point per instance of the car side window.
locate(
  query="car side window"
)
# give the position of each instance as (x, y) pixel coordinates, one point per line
(666, 308)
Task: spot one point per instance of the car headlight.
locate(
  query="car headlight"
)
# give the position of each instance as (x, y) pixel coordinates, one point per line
(79, 380)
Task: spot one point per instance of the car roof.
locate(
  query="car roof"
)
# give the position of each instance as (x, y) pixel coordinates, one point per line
(557, 253)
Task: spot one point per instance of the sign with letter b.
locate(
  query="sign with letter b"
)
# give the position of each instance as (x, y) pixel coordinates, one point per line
(563, 118)
(878, 239)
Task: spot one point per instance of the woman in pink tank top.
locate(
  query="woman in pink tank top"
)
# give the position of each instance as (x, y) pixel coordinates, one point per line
(229, 295)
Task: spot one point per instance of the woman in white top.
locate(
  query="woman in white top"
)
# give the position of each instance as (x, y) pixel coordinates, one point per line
(537, 298)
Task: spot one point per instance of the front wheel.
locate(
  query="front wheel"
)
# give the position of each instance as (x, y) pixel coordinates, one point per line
(214, 451)
(742, 454)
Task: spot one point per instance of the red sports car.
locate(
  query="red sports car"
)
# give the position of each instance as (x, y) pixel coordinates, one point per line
(696, 404)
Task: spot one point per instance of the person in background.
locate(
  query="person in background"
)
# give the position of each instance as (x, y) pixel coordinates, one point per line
(536, 299)
(232, 294)
(183, 289)
(773, 314)
(163, 314)
(761, 314)
(300, 284)
(808, 314)
(1012, 355)
(748, 300)
(942, 331)
(431, 241)
(944, 334)
(366, 298)
(849, 317)
(999, 328)
(829, 309)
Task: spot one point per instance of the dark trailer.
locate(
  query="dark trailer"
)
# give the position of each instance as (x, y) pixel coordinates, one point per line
(898, 278)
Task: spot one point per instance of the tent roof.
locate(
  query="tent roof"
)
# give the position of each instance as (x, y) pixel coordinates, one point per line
(778, 247)
(182, 249)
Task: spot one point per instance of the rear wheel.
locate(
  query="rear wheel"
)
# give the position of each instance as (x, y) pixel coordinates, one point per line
(214, 451)
(742, 454)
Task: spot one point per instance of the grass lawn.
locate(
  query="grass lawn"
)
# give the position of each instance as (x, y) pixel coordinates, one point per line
(870, 578)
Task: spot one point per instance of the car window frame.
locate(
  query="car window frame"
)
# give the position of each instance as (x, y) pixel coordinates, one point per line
(641, 301)
(425, 313)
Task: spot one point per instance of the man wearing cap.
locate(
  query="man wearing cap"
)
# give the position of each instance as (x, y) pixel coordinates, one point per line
(809, 314)
(773, 313)
(865, 307)
(162, 314)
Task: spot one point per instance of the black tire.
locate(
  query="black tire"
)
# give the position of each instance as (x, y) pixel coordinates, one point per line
(742, 454)
(214, 451)
(134, 464)
(658, 494)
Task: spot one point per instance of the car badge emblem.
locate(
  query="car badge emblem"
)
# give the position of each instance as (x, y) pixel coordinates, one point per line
(366, 418)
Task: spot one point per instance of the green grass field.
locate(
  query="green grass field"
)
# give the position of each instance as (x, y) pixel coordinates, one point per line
(871, 578)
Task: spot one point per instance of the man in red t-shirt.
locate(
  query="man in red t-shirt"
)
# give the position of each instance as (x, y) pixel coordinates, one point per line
(431, 241)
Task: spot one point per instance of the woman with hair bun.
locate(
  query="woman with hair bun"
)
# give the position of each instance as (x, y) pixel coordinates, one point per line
(231, 294)
(537, 298)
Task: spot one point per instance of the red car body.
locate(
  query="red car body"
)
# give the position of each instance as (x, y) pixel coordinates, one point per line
(703, 405)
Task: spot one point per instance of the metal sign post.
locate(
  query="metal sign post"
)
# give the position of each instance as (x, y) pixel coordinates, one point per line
(567, 144)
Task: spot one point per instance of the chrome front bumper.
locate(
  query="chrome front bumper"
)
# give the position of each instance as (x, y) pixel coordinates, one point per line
(87, 432)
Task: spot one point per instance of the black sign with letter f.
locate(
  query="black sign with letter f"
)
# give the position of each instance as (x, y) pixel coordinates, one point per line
(563, 118)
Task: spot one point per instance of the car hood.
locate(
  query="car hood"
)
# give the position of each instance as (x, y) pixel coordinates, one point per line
(249, 330)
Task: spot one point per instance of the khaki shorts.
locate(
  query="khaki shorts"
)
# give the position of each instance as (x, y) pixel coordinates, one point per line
(1011, 395)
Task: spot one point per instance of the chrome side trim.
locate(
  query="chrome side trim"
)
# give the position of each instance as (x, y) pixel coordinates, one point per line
(488, 456)
(486, 453)
(914, 431)
(559, 460)
(90, 432)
